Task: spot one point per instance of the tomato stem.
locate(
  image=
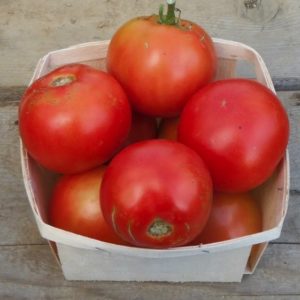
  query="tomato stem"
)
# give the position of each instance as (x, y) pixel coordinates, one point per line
(170, 18)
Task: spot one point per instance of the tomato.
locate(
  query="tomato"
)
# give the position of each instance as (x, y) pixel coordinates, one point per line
(168, 128)
(161, 62)
(157, 194)
(74, 118)
(232, 216)
(75, 206)
(239, 128)
(142, 128)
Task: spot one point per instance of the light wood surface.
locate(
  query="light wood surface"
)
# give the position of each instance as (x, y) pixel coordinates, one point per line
(28, 31)
(29, 271)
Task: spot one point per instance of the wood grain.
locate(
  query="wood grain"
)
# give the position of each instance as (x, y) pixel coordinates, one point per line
(30, 272)
(292, 103)
(16, 219)
(28, 31)
(286, 84)
(291, 228)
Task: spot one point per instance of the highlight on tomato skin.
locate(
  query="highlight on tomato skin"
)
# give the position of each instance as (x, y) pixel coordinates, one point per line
(232, 216)
(74, 206)
(156, 194)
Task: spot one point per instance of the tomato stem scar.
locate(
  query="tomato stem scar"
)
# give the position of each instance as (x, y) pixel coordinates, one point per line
(159, 228)
(62, 80)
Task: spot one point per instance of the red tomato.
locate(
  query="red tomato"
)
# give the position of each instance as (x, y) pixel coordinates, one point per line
(75, 206)
(239, 128)
(74, 118)
(142, 128)
(168, 129)
(157, 194)
(161, 65)
(232, 216)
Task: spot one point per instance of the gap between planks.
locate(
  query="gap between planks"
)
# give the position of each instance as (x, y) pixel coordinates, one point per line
(13, 93)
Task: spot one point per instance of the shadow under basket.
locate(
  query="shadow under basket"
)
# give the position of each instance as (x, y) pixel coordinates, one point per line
(83, 258)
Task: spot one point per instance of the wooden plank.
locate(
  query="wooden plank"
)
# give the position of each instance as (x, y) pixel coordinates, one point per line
(292, 104)
(29, 31)
(14, 93)
(16, 220)
(286, 84)
(30, 272)
(291, 228)
(11, 94)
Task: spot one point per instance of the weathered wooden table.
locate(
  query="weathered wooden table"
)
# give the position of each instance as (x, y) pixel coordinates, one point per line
(27, 267)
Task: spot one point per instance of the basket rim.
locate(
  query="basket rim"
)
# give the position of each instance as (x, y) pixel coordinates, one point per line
(61, 236)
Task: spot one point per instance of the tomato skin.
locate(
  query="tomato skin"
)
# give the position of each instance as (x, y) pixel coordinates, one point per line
(168, 128)
(75, 206)
(232, 216)
(77, 126)
(239, 128)
(161, 66)
(157, 194)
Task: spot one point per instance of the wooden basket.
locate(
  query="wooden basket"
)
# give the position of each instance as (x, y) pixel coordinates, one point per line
(83, 258)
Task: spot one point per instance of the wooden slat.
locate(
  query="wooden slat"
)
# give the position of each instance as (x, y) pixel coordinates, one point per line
(16, 219)
(30, 272)
(11, 94)
(292, 103)
(29, 31)
(291, 227)
(287, 84)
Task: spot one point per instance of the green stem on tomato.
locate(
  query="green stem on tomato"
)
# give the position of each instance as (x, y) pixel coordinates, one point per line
(170, 17)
